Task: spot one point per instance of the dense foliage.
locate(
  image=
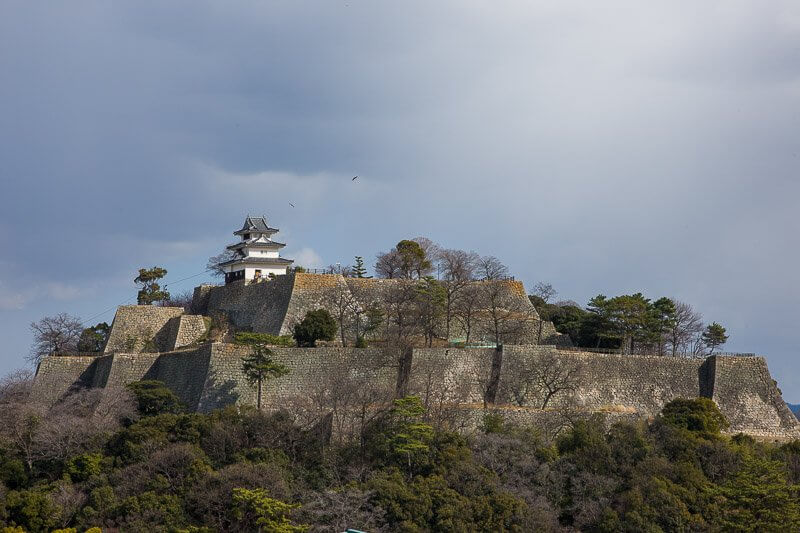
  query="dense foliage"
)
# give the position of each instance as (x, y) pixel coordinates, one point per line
(150, 290)
(239, 469)
(632, 323)
(316, 325)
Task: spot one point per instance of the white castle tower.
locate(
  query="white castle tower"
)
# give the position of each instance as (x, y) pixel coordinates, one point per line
(257, 255)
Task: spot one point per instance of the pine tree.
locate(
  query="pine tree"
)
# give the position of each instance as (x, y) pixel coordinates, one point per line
(258, 366)
(149, 289)
(714, 336)
(359, 271)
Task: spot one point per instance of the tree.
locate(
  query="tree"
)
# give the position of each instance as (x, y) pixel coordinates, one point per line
(94, 339)
(54, 334)
(407, 260)
(254, 510)
(413, 261)
(400, 300)
(149, 288)
(214, 262)
(468, 308)
(316, 325)
(545, 291)
(491, 268)
(345, 308)
(430, 306)
(714, 336)
(759, 498)
(663, 317)
(182, 299)
(687, 324)
(338, 268)
(359, 271)
(699, 415)
(375, 317)
(540, 378)
(154, 397)
(457, 269)
(408, 436)
(259, 366)
(507, 318)
(387, 264)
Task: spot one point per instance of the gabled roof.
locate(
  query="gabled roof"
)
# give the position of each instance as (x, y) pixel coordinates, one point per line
(255, 225)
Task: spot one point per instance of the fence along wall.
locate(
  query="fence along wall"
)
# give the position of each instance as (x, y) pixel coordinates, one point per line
(331, 378)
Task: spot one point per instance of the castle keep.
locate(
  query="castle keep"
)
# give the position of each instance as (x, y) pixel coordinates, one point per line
(456, 384)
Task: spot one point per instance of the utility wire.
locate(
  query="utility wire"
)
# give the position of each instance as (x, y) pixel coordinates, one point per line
(132, 297)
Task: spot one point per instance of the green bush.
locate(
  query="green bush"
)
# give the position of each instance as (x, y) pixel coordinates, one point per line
(316, 325)
(699, 415)
(154, 398)
(82, 467)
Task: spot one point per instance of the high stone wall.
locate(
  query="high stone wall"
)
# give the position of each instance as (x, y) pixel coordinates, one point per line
(258, 307)
(275, 306)
(139, 327)
(146, 328)
(748, 396)
(342, 379)
(189, 329)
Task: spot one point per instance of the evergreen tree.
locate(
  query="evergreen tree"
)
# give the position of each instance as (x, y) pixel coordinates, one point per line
(149, 288)
(258, 366)
(254, 510)
(714, 336)
(316, 325)
(359, 271)
(94, 339)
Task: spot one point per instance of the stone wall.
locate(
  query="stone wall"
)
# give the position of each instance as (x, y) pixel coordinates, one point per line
(190, 328)
(749, 397)
(57, 375)
(338, 379)
(138, 328)
(258, 307)
(276, 306)
(145, 328)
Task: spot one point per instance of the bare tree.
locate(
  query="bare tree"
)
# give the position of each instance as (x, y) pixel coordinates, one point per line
(430, 305)
(545, 291)
(457, 269)
(54, 334)
(490, 268)
(338, 268)
(345, 307)
(401, 312)
(181, 299)
(468, 308)
(684, 332)
(507, 318)
(15, 386)
(214, 262)
(388, 264)
(539, 377)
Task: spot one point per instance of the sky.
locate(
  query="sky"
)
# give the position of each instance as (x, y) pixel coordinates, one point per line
(610, 147)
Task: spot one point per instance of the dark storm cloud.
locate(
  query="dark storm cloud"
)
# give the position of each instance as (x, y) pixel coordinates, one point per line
(616, 148)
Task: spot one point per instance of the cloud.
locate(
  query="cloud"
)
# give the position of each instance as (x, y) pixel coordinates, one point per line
(11, 300)
(306, 257)
(608, 148)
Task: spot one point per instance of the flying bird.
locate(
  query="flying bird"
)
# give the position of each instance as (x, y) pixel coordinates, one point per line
(354, 178)
(291, 204)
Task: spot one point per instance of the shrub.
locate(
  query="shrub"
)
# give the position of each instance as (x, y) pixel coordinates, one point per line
(316, 325)
(153, 398)
(700, 415)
